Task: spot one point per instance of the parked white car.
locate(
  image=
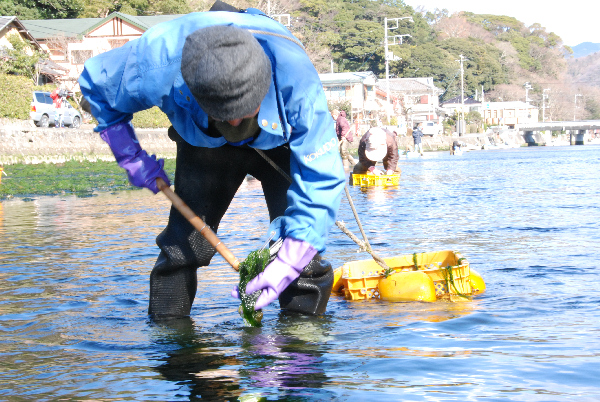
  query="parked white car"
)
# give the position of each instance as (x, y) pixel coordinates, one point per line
(42, 111)
(431, 128)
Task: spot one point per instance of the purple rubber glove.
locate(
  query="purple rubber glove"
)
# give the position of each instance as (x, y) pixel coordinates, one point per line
(291, 259)
(142, 169)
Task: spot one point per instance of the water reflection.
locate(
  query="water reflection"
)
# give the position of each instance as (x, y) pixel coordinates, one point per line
(283, 361)
(248, 362)
(399, 314)
(379, 195)
(200, 364)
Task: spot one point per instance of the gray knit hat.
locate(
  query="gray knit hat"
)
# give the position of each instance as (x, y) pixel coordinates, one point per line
(227, 71)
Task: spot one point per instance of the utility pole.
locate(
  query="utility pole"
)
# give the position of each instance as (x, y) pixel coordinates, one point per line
(278, 17)
(575, 107)
(387, 71)
(544, 96)
(461, 121)
(389, 57)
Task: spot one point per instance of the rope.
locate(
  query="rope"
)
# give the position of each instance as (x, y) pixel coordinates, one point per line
(363, 245)
(296, 41)
(272, 163)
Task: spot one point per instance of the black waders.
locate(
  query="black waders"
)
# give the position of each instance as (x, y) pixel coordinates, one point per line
(206, 179)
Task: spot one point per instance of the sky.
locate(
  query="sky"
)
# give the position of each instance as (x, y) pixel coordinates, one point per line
(575, 21)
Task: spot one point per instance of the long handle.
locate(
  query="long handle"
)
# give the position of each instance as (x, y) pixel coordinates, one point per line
(198, 224)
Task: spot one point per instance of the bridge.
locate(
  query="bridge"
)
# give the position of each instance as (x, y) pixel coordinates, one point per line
(535, 133)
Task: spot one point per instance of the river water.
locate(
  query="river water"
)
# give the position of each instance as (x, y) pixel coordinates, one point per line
(74, 294)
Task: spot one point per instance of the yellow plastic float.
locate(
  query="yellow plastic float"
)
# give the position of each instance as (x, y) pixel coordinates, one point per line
(407, 286)
(414, 277)
(375, 180)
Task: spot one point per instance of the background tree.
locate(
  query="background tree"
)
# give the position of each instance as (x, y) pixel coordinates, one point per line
(41, 9)
(102, 8)
(501, 52)
(21, 59)
(592, 108)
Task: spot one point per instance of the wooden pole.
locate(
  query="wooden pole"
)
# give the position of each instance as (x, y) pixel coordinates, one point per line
(198, 224)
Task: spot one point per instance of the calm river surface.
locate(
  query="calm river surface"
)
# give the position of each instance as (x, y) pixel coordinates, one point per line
(74, 276)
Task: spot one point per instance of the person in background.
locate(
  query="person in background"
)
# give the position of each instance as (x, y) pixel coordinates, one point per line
(239, 89)
(344, 134)
(455, 147)
(376, 145)
(417, 135)
(334, 115)
(57, 99)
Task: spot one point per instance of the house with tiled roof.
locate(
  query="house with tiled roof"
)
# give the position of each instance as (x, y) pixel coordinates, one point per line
(455, 105)
(47, 70)
(11, 25)
(70, 42)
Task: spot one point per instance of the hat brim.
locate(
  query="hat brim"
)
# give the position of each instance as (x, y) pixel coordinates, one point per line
(376, 154)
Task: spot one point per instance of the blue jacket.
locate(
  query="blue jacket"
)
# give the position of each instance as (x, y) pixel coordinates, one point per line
(146, 72)
(417, 134)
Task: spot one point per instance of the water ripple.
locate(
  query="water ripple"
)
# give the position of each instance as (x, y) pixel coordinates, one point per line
(74, 295)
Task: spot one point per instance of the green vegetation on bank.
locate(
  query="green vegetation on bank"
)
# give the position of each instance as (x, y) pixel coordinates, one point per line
(43, 9)
(16, 92)
(80, 178)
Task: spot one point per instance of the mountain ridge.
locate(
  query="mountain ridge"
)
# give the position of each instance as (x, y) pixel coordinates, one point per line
(585, 49)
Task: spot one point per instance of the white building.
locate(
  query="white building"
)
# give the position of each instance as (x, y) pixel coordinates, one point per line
(415, 99)
(368, 102)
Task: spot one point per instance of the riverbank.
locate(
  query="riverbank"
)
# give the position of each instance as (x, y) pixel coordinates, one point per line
(21, 142)
(49, 161)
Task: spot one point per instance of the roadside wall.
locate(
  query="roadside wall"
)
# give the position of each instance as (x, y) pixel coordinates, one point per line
(472, 141)
(22, 143)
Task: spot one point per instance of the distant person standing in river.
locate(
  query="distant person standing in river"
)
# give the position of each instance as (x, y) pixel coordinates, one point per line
(344, 134)
(455, 147)
(417, 135)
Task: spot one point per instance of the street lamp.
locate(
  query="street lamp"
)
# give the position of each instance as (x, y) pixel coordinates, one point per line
(544, 96)
(575, 107)
(527, 88)
(388, 58)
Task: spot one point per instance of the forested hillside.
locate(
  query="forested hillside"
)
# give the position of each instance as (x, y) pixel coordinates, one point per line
(501, 54)
(586, 69)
